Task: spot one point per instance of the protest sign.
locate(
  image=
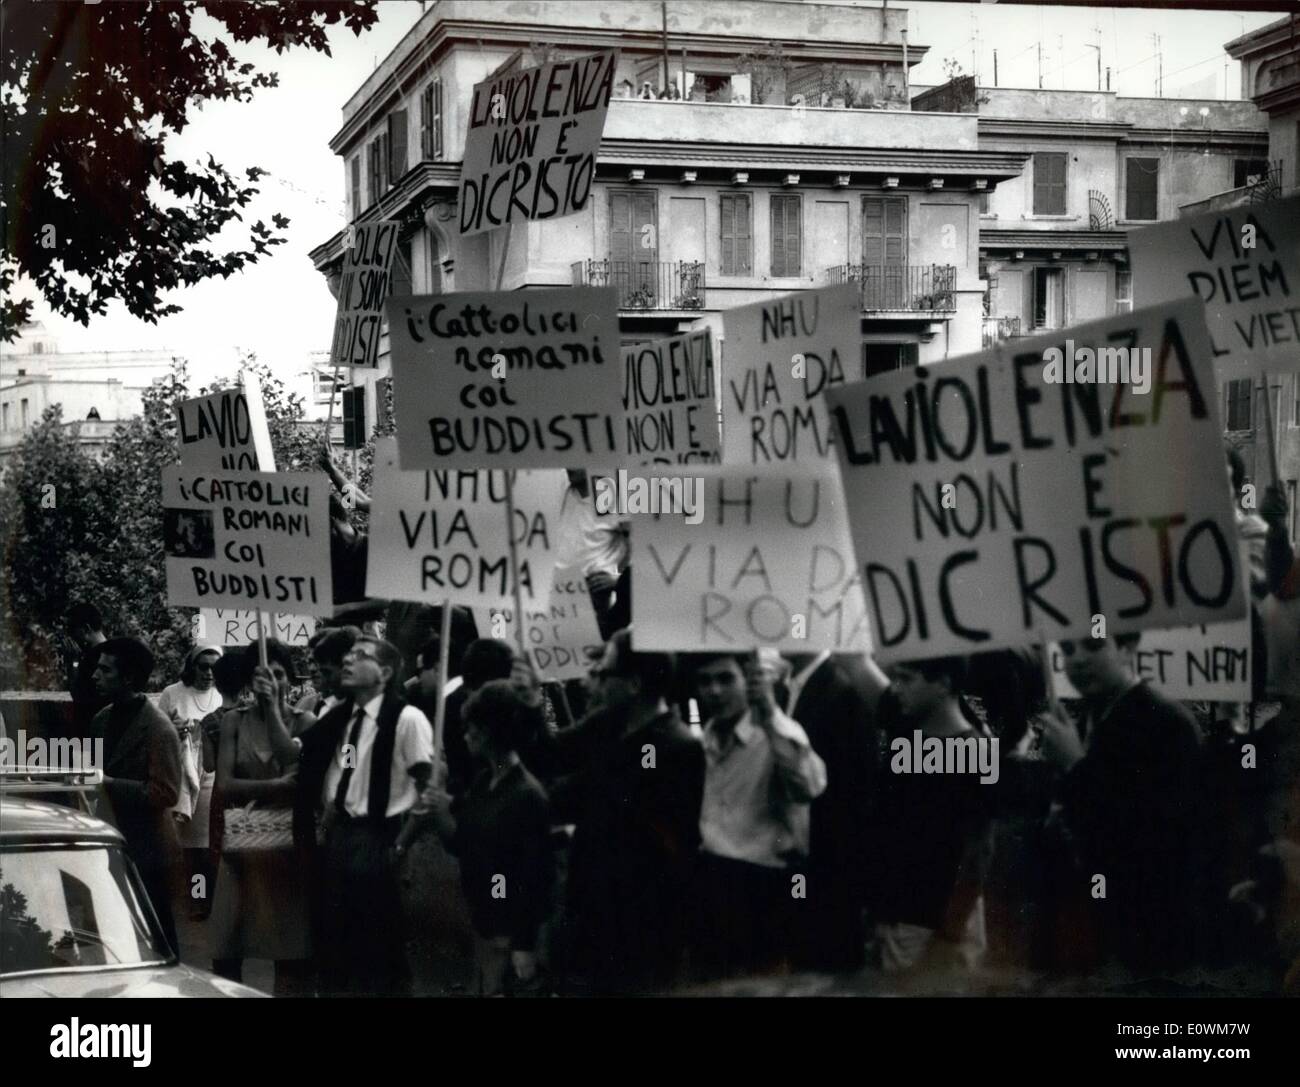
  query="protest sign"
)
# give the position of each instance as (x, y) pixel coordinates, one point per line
(530, 150)
(670, 394)
(560, 636)
(507, 379)
(1244, 263)
(770, 564)
(991, 507)
(1206, 663)
(363, 289)
(439, 536)
(217, 432)
(238, 626)
(781, 356)
(248, 538)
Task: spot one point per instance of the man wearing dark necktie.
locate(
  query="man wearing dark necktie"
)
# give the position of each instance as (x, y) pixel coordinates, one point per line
(362, 768)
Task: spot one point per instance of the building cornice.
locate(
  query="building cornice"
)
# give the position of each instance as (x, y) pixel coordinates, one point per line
(1248, 139)
(990, 164)
(478, 34)
(1264, 38)
(1017, 128)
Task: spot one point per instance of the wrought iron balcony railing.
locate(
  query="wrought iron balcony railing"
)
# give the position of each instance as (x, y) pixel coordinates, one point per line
(997, 329)
(906, 288)
(646, 284)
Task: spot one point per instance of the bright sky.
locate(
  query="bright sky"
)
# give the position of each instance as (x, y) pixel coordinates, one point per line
(281, 307)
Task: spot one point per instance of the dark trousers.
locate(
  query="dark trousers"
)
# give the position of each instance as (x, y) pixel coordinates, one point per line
(744, 925)
(361, 944)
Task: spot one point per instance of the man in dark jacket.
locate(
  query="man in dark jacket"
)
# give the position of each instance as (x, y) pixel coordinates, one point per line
(635, 799)
(142, 770)
(1128, 805)
(833, 697)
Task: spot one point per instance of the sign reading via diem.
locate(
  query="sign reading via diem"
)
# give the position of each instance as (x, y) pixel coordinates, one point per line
(781, 356)
(362, 293)
(248, 538)
(530, 151)
(238, 626)
(771, 565)
(559, 637)
(507, 379)
(438, 536)
(217, 431)
(1244, 263)
(990, 508)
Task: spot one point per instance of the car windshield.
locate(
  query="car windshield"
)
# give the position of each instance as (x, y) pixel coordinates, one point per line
(72, 906)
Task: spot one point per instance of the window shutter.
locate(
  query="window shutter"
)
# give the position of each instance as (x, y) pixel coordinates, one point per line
(1049, 183)
(778, 236)
(620, 228)
(744, 236)
(895, 232)
(873, 231)
(643, 210)
(793, 239)
(396, 144)
(1142, 186)
(727, 237)
(355, 169)
(437, 119)
(399, 282)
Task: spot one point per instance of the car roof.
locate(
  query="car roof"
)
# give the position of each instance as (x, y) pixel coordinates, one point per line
(23, 819)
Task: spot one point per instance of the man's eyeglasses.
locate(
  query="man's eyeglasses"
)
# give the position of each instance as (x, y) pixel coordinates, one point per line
(360, 655)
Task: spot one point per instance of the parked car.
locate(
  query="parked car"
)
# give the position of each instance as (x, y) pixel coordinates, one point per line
(74, 916)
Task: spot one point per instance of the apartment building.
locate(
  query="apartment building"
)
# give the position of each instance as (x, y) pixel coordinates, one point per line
(782, 157)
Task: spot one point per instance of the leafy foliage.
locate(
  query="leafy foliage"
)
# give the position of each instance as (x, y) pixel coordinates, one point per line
(94, 208)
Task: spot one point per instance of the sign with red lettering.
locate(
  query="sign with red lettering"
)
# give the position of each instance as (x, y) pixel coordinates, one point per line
(1244, 264)
(530, 151)
(363, 290)
(1003, 498)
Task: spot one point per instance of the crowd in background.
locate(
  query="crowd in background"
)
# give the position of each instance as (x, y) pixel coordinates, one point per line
(675, 820)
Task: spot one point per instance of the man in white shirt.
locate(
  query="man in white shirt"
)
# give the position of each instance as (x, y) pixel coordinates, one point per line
(761, 777)
(593, 543)
(363, 766)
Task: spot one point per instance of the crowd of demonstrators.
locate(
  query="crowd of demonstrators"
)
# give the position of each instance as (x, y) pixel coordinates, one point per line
(622, 850)
(260, 907)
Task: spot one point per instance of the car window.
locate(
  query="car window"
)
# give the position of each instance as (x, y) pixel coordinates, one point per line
(72, 907)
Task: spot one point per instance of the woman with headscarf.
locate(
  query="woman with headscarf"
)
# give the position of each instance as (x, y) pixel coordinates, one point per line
(186, 703)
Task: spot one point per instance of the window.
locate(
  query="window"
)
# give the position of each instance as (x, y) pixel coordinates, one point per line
(1295, 400)
(396, 144)
(1123, 291)
(26, 414)
(1049, 183)
(985, 206)
(431, 121)
(882, 358)
(634, 248)
(787, 225)
(356, 185)
(884, 252)
(736, 213)
(435, 262)
(399, 283)
(377, 167)
(4, 417)
(1239, 395)
(1048, 298)
(1247, 171)
(1295, 513)
(1142, 178)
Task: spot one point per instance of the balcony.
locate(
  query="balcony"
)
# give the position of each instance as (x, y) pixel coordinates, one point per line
(900, 288)
(997, 329)
(646, 285)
